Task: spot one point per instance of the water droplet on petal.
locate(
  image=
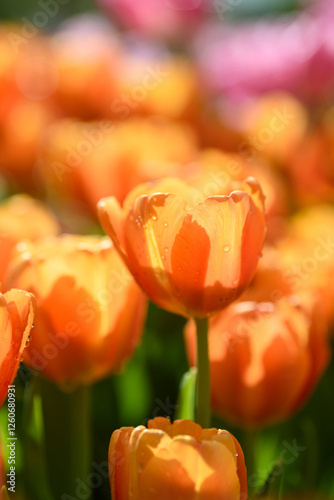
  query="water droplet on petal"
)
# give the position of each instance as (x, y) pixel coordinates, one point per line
(165, 224)
(226, 248)
(166, 249)
(163, 257)
(154, 217)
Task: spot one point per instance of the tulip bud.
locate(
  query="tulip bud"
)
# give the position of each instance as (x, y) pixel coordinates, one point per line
(265, 359)
(179, 461)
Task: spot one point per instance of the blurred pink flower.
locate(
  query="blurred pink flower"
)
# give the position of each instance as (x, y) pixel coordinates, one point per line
(164, 19)
(293, 53)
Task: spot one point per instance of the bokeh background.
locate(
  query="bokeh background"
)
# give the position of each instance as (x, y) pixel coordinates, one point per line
(220, 71)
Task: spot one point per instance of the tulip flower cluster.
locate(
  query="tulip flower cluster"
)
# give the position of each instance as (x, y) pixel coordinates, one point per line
(212, 177)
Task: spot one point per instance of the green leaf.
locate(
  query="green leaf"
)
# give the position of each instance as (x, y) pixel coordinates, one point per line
(273, 485)
(33, 443)
(187, 395)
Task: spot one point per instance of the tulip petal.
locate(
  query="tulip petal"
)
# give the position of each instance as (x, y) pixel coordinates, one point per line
(112, 220)
(17, 312)
(196, 469)
(190, 259)
(216, 251)
(118, 463)
(150, 229)
(178, 187)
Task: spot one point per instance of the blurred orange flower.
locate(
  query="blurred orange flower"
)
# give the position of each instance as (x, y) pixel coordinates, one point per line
(265, 359)
(19, 143)
(88, 161)
(274, 125)
(307, 254)
(17, 312)
(168, 89)
(90, 311)
(217, 171)
(178, 461)
(311, 165)
(86, 54)
(23, 218)
(191, 254)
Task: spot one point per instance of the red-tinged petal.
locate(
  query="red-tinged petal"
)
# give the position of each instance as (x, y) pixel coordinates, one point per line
(190, 259)
(253, 188)
(118, 462)
(17, 312)
(241, 468)
(161, 423)
(216, 251)
(150, 229)
(186, 427)
(111, 217)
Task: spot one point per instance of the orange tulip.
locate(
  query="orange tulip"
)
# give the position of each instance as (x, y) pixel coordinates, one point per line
(307, 254)
(274, 125)
(192, 255)
(22, 218)
(179, 461)
(90, 310)
(88, 161)
(311, 164)
(17, 312)
(265, 359)
(87, 58)
(174, 96)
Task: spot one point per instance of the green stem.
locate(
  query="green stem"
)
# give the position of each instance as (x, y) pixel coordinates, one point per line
(67, 439)
(34, 443)
(203, 413)
(249, 448)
